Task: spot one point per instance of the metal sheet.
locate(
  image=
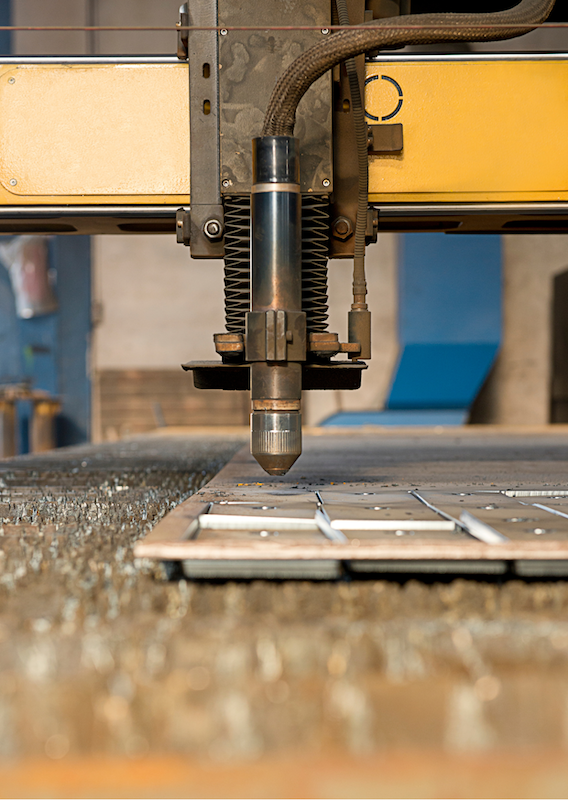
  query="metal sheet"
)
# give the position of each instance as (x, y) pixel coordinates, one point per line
(255, 519)
(265, 570)
(513, 518)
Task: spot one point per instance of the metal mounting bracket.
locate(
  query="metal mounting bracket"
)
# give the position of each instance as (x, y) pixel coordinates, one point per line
(205, 190)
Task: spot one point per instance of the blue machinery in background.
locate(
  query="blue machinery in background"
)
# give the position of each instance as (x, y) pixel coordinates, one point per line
(449, 291)
(51, 351)
(56, 346)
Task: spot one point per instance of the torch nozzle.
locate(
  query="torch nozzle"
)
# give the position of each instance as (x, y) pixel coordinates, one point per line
(276, 439)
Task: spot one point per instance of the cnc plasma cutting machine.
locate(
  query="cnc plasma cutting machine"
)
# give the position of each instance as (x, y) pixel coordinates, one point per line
(280, 136)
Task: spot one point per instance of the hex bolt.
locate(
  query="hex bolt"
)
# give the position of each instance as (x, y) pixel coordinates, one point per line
(213, 229)
(342, 228)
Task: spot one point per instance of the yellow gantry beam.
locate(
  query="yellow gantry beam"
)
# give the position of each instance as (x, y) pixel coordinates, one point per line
(476, 130)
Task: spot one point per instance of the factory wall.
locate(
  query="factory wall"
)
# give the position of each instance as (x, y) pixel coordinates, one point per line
(382, 299)
(518, 390)
(45, 325)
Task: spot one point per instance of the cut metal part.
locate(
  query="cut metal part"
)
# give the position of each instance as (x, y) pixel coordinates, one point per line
(535, 492)
(482, 531)
(324, 523)
(470, 524)
(551, 510)
(328, 530)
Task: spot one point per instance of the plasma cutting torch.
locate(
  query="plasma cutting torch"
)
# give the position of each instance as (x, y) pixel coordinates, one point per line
(281, 337)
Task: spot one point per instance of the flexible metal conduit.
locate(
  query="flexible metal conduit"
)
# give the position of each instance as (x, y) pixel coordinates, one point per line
(412, 29)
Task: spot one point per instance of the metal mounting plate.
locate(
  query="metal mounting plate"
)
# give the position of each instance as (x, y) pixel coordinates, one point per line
(251, 63)
(236, 377)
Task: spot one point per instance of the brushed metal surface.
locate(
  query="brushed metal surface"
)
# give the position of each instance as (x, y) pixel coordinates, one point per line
(251, 63)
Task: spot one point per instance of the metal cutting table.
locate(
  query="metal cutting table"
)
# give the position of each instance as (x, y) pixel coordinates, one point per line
(471, 500)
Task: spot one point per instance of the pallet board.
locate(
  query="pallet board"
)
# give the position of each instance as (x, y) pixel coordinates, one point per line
(246, 524)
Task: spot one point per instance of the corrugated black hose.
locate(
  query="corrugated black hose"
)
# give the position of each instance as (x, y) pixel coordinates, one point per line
(394, 31)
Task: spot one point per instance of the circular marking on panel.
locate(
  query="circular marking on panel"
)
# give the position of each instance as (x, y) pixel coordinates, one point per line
(398, 106)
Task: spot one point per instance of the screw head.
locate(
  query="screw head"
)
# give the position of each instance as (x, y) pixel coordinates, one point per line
(226, 183)
(326, 182)
(11, 80)
(325, 31)
(223, 32)
(213, 229)
(342, 228)
(13, 182)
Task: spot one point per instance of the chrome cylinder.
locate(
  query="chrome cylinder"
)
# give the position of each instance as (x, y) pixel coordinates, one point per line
(276, 285)
(276, 439)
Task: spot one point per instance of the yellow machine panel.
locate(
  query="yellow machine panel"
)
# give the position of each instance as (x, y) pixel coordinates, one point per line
(88, 133)
(475, 130)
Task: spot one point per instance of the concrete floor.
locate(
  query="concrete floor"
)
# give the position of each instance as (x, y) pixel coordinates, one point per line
(109, 673)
